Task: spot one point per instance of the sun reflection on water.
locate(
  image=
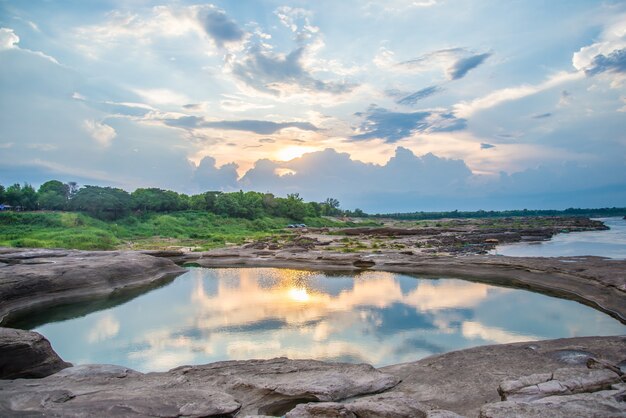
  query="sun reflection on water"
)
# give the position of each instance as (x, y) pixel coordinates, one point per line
(380, 318)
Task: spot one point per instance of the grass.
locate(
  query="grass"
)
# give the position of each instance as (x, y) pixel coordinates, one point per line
(195, 229)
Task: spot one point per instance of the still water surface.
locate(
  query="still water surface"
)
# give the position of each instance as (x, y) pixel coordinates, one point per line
(610, 243)
(380, 318)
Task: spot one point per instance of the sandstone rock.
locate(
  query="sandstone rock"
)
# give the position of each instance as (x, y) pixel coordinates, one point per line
(386, 405)
(275, 386)
(111, 391)
(564, 381)
(26, 354)
(598, 405)
(37, 279)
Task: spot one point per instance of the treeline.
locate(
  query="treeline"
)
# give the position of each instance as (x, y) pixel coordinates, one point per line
(112, 203)
(417, 216)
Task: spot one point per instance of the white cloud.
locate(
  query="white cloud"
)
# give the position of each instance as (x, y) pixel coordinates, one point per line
(102, 133)
(467, 109)
(613, 39)
(162, 96)
(8, 39)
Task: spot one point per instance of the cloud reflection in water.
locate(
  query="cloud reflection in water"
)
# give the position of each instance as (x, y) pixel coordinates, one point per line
(375, 317)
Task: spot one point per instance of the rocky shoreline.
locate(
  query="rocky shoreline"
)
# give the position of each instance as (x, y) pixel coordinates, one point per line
(566, 377)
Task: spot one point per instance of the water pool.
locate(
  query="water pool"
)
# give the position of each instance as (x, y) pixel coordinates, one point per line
(380, 318)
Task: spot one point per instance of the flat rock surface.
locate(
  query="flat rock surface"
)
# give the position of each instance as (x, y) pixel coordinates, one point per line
(598, 405)
(463, 381)
(270, 387)
(25, 354)
(36, 279)
(274, 386)
(112, 391)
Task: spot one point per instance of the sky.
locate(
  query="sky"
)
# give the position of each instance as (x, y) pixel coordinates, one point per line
(388, 106)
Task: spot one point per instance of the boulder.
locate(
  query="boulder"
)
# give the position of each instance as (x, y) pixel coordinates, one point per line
(27, 354)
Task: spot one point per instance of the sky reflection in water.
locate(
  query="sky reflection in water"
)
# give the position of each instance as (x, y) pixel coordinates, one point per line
(380, 318)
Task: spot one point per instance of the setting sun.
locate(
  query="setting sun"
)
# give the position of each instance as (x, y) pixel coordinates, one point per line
(291, 152)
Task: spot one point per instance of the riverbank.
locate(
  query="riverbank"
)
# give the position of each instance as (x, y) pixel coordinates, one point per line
(461, 381)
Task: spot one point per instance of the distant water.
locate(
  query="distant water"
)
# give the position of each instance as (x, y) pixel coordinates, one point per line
(610, 243)
(380, 318)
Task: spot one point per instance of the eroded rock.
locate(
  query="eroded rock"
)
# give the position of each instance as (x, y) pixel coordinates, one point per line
(385, 405)
(27, 354)
(37, 279)
(111, 391)
(564, 381)
(598, 405)
(275, 386)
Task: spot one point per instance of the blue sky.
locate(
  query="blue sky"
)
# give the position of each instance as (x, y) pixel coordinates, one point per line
(388, 106)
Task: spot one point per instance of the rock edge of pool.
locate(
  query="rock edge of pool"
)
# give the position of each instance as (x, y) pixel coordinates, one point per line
(564, 377)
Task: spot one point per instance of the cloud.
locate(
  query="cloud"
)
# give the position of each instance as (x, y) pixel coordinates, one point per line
(464, 65)
(320, 174)
(497, 97)
(486, 146)
(208, 176)
(565, 99)
(413, 98)
(456, 62)
(608, 55)
(297, 21)
(8, 39)
(261, 127)
(280, 74)
(542, 115)
(162, 96)
(393, 126)
(615, 62)
(220, 28)
(400, 6)
(100, 132)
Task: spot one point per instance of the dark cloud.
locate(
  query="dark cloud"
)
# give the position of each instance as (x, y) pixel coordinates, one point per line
(615, 62)
(413, 98)
(278, 74)
(393, 126)
(459, 61)
(330, 173)
(220, 28)
(208, 176)
(193, 106)
(486, 146)
(464, 65)
(260, 127)
(542, 115)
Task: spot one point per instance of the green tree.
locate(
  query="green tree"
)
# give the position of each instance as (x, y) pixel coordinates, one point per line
(157, 200)
(102, 202)
(292, 207)
(330, 207)
(53, 195)
(13, 194)
(2, 193)
(240, 205)
(204, 201)
(28, 200)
